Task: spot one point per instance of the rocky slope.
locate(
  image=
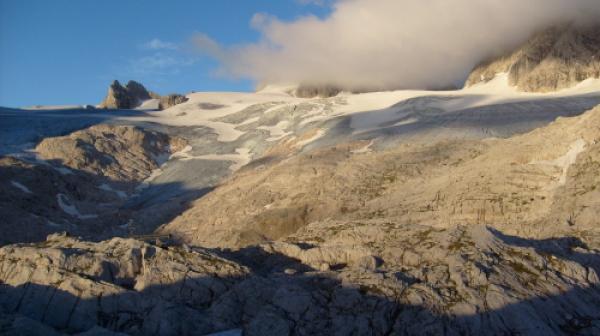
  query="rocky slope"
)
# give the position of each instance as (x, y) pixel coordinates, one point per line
(553, 59)
(367, 277)
(83, 184)
(121, 153)
(524, 185)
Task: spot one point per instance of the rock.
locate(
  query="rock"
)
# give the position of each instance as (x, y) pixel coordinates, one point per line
(324, 267)
(312, 91)
(553, 59)
(117, 97)
(128, 97)
(123, 153)
(171, 100)
(134, 94)
(137, 92)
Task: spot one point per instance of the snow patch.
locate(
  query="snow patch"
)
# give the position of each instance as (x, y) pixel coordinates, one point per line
(365, 149)
(51, 223)
(20, 187)
(225, 132)
(276, 132)
(320, 132)
(565, 161)
(107, 187)
(64, 171)
(66, 206)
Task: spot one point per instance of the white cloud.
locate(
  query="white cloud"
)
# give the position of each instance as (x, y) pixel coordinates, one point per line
(160, 64)
(385, 44)
(314, 2)
(157, 44)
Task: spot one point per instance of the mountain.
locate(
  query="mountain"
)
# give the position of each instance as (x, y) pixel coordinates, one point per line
(470, 211)
(134, 95)
(553, 59)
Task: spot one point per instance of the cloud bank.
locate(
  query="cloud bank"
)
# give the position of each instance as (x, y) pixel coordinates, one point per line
(391, 44)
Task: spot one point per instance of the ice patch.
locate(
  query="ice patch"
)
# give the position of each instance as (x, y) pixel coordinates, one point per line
(225, 132)
(20, 187)
(277, 132)
(70, 209)
(240, 159)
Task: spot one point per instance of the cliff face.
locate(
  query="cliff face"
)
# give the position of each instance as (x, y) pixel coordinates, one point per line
(125, 97)
(134, 94)
(554, 59)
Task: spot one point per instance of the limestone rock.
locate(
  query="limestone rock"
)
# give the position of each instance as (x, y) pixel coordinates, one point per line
(171, 100)
(551, 60)
(312, 91)
(517, 184)
(119, 152)
(128, 97)
(470, 280)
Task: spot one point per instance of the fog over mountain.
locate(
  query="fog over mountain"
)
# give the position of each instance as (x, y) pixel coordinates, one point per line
(391, 44)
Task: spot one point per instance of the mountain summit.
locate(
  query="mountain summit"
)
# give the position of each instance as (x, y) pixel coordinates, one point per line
(553, 59)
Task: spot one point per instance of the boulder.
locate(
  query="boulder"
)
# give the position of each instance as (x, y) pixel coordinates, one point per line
(171, 100)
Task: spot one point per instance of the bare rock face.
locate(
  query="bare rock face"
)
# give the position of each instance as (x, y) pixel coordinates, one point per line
(89, 175)
(134, 94)
(119, 285)
(312, 91)
(32, 196)
(381, 278)
(130, 96)
(171, 100)
(553, 59)
(118, 152)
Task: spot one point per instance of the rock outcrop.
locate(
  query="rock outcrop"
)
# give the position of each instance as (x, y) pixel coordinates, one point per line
(369, 277)
(171, 100)
(128, 97)
(134, 94)
(82, 186)
(312, 91)
(551, 60)
(122, 153)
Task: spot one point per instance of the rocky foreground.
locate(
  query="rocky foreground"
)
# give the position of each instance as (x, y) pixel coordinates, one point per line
(370, 277)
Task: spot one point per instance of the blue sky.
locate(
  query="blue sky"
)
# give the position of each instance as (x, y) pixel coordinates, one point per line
(68, 51)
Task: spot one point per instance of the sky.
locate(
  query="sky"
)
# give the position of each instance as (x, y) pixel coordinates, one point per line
(56, 52)
(372, 45)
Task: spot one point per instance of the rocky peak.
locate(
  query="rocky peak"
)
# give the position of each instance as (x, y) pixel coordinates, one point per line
(134, 94)
(130, 96)
(553, 59)
(137, 91)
